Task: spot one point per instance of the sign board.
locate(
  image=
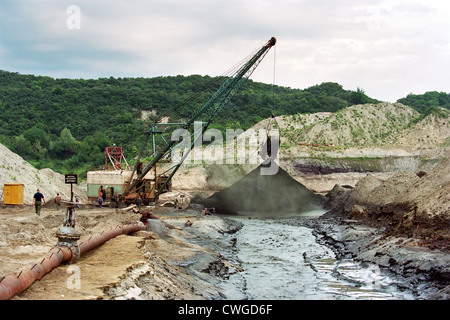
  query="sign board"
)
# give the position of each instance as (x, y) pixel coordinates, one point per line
(71, 178)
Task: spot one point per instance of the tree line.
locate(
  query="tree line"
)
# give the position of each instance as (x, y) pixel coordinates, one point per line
(431, 99)
(65, 124)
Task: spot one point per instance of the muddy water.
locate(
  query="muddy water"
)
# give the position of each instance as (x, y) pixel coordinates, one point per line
(281, 260)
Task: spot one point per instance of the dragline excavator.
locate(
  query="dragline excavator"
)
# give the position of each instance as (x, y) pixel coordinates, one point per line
(148, 181)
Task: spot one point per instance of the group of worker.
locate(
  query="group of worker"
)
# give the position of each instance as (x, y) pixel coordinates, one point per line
(39, 200)
(101, 196)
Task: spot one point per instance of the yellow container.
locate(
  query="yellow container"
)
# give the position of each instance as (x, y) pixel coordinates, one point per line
(13, 193)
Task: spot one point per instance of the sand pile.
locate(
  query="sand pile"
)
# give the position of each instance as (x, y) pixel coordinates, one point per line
(278, 193)
(14, 169)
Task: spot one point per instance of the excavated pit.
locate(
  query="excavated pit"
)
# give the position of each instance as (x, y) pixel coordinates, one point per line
(276, 194)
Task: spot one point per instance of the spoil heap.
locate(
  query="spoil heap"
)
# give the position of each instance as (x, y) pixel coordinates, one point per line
(278, 193)
(407, 204)
(14, 169)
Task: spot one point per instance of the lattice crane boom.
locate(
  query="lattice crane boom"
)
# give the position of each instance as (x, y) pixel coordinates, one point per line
(210, 109)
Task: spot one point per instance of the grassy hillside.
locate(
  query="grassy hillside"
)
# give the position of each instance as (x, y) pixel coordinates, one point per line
(366, 125)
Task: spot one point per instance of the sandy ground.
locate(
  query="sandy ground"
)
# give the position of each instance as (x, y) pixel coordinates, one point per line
(111, 270)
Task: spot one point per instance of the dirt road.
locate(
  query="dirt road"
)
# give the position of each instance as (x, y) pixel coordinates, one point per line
(106, 272)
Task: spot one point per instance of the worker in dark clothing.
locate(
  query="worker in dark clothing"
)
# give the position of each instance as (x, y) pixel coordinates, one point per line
(139, 201)
(37, 201)
(100, 201)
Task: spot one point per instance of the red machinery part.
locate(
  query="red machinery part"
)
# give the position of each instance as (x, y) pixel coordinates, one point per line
(18, 282)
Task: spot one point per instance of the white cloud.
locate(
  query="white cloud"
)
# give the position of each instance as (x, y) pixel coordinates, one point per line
(388, 47)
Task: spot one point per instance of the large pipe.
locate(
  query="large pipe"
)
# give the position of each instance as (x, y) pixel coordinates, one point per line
(18, 282)
(94, 241)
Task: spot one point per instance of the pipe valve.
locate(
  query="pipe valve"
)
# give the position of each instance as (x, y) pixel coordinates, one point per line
(68, 236)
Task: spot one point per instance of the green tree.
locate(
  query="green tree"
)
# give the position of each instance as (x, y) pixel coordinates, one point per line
(358, 97)
(421, 102)
(90, 152)
(65, 146)
(101, 140)
(36, 133)
(23, 147)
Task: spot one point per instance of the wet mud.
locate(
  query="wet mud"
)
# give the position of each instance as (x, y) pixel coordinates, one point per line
(252, 257)
(422, 271)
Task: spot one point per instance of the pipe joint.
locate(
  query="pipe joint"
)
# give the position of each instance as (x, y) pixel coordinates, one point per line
(68, 237)
(74, 249)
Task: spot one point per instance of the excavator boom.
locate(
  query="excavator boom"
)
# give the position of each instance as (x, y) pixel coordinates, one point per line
(218, 100)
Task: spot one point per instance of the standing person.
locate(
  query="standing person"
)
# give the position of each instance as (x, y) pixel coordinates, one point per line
(58, 202)
(117, 200)
(77, 202)
(100, 201)
(139, 201)
(102, 193)
(37, 201)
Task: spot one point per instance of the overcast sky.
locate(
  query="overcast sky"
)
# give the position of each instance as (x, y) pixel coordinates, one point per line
(388, 48)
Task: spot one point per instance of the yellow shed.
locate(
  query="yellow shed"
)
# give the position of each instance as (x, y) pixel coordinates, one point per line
(13, 193)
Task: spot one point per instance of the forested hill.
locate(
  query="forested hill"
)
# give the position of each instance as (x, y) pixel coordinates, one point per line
(422, 102)
(86, 106)
(66, 123)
